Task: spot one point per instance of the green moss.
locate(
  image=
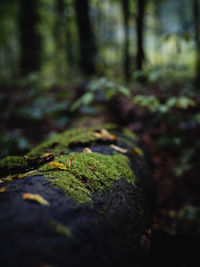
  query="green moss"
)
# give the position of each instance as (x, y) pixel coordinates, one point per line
(129, 134)
(89, 172)
(11, 161)
(61, 142)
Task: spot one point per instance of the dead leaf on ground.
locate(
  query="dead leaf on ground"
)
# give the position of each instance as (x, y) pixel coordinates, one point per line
(36, 198)
(87, 149)
(57, 165)
(3, 189)
(104, 134)
(120, 149)
(60, 228)
(47, 154)
(138, 151)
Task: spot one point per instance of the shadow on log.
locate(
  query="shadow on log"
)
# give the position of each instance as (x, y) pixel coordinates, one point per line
(97, 200)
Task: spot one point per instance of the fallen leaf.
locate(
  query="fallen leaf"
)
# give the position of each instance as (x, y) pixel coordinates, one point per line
(70, 161)
(35, 197)
(14, 177)
(120, 149)
(87, 149)
(138, 151)
(3, 189)
(60, 228)
(103, 133)
(57, 165)
(20, 176)
(47, 154)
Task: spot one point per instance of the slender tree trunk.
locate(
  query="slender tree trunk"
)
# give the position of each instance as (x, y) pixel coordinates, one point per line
(88, 49)
(126, 15)
(29, 36)
(140, 56)
(196, 14)
(69, 45)
(62, 30)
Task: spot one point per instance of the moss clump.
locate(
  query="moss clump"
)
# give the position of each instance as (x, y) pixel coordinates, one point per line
(11, 161)
(61, 142)
(129, 134)
(89, 172)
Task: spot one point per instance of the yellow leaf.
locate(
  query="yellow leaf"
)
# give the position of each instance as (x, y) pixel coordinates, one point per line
(103, 133)
(57, 165)
(60, 228)
(35, 197)
(120, 149)
(20, 176)
(46, 155)
(87, 149)
(138, 151)
(3, 189)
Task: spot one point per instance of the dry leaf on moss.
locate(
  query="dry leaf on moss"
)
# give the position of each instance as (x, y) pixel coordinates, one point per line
(57, 165)
(87, 149)
(70, 162)
(103, 134)
(120, 149)
(36, 198)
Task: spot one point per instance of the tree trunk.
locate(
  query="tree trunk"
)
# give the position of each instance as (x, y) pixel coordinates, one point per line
(196, 6)
(29, 36)
(140, 56)
(126, 15)
(96, 203)
(87, 44)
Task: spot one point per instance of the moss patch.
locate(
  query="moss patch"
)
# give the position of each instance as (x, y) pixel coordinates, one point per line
(60, 143)
(11, 161)
(128, 133)
(89, 172)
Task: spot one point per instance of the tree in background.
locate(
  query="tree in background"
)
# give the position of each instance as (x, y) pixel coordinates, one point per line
(140, 56)
(30, 41)
(63, 32)
(87, 45)
(126, 16)
(196, 6)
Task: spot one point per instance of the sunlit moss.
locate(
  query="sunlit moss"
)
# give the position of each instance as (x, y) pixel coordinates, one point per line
(89, 172)
(60, 143)
(11, 161)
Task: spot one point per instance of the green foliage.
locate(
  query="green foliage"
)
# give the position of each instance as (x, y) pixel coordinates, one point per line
(154, 105)
(107, 89)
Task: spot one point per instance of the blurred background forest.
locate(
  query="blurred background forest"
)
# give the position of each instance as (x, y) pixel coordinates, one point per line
(60, 58)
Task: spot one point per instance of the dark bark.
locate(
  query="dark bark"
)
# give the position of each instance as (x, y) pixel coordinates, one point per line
(87, 45)
(112, 230)
(126, 15)
(196, 16)
(27, 165)
(140, 56)
(30, 40)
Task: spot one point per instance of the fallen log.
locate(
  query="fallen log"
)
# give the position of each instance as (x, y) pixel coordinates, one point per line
(86, 202)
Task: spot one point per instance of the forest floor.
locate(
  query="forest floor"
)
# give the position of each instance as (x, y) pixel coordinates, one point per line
(28, 117)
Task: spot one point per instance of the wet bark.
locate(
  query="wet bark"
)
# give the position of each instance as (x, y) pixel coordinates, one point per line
(113, 229)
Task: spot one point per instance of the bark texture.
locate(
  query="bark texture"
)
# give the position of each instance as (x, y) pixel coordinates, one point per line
(111, 230)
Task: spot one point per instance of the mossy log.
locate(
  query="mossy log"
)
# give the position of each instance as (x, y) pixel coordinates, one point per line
(97, 193)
